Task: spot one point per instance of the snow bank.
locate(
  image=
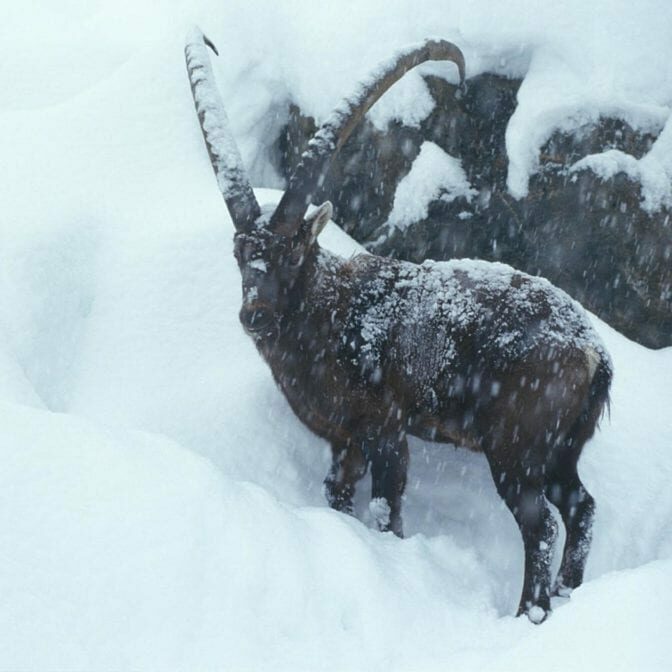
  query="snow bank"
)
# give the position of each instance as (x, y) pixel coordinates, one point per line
(161, 505)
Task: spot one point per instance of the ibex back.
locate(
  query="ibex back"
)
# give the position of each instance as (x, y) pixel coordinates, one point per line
(368, 350)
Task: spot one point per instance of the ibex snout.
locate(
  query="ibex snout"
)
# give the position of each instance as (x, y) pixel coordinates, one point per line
(256, 317)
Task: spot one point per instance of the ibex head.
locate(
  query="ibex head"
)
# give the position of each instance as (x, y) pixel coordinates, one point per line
(272, 247)
(270, 264)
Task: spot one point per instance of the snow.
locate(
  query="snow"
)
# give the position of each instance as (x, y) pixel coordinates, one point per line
(161, 505)
(409, 101)
(258, 265)
(380, 510)
(653, 171)
(433, 174)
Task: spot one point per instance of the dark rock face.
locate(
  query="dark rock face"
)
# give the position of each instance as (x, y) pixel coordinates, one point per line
(587, 235)
(364, 175)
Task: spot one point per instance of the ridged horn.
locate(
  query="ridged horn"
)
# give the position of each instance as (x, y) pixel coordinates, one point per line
(222, 149)
(333, 133)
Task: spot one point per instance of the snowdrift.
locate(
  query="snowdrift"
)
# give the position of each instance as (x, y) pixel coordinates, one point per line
(160, 504)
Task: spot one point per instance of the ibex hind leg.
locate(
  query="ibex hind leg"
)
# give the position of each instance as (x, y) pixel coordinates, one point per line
(523, 494)
(389, 467)
(348, 466)
(577, 508)
(565, 489)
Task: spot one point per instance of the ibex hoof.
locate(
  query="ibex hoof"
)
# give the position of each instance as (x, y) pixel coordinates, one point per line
(535, 613)
(380, 510)
(386, 519)
(338, 499)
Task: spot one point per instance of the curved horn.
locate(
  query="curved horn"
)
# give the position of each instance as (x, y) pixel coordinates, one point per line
(333, 133)
(224, 154)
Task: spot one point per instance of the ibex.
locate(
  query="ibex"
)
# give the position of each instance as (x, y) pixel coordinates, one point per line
(368, 350)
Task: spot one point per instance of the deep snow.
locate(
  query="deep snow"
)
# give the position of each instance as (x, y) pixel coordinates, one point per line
(161, 506)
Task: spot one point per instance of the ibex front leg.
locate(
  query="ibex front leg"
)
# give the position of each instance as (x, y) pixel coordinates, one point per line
(389, 466)
(347, 467)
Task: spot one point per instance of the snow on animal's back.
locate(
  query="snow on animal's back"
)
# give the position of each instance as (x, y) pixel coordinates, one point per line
(437, 310)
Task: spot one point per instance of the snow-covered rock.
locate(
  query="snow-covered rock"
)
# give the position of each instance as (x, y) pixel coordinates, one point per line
(434, 174)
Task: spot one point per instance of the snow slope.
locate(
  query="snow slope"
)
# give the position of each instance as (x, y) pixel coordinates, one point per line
(160, 505)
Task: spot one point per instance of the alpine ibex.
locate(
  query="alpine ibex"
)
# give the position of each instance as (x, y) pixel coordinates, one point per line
(368, 350)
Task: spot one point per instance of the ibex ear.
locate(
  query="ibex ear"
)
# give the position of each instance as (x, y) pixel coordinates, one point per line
(309, 229)
(316, 221)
